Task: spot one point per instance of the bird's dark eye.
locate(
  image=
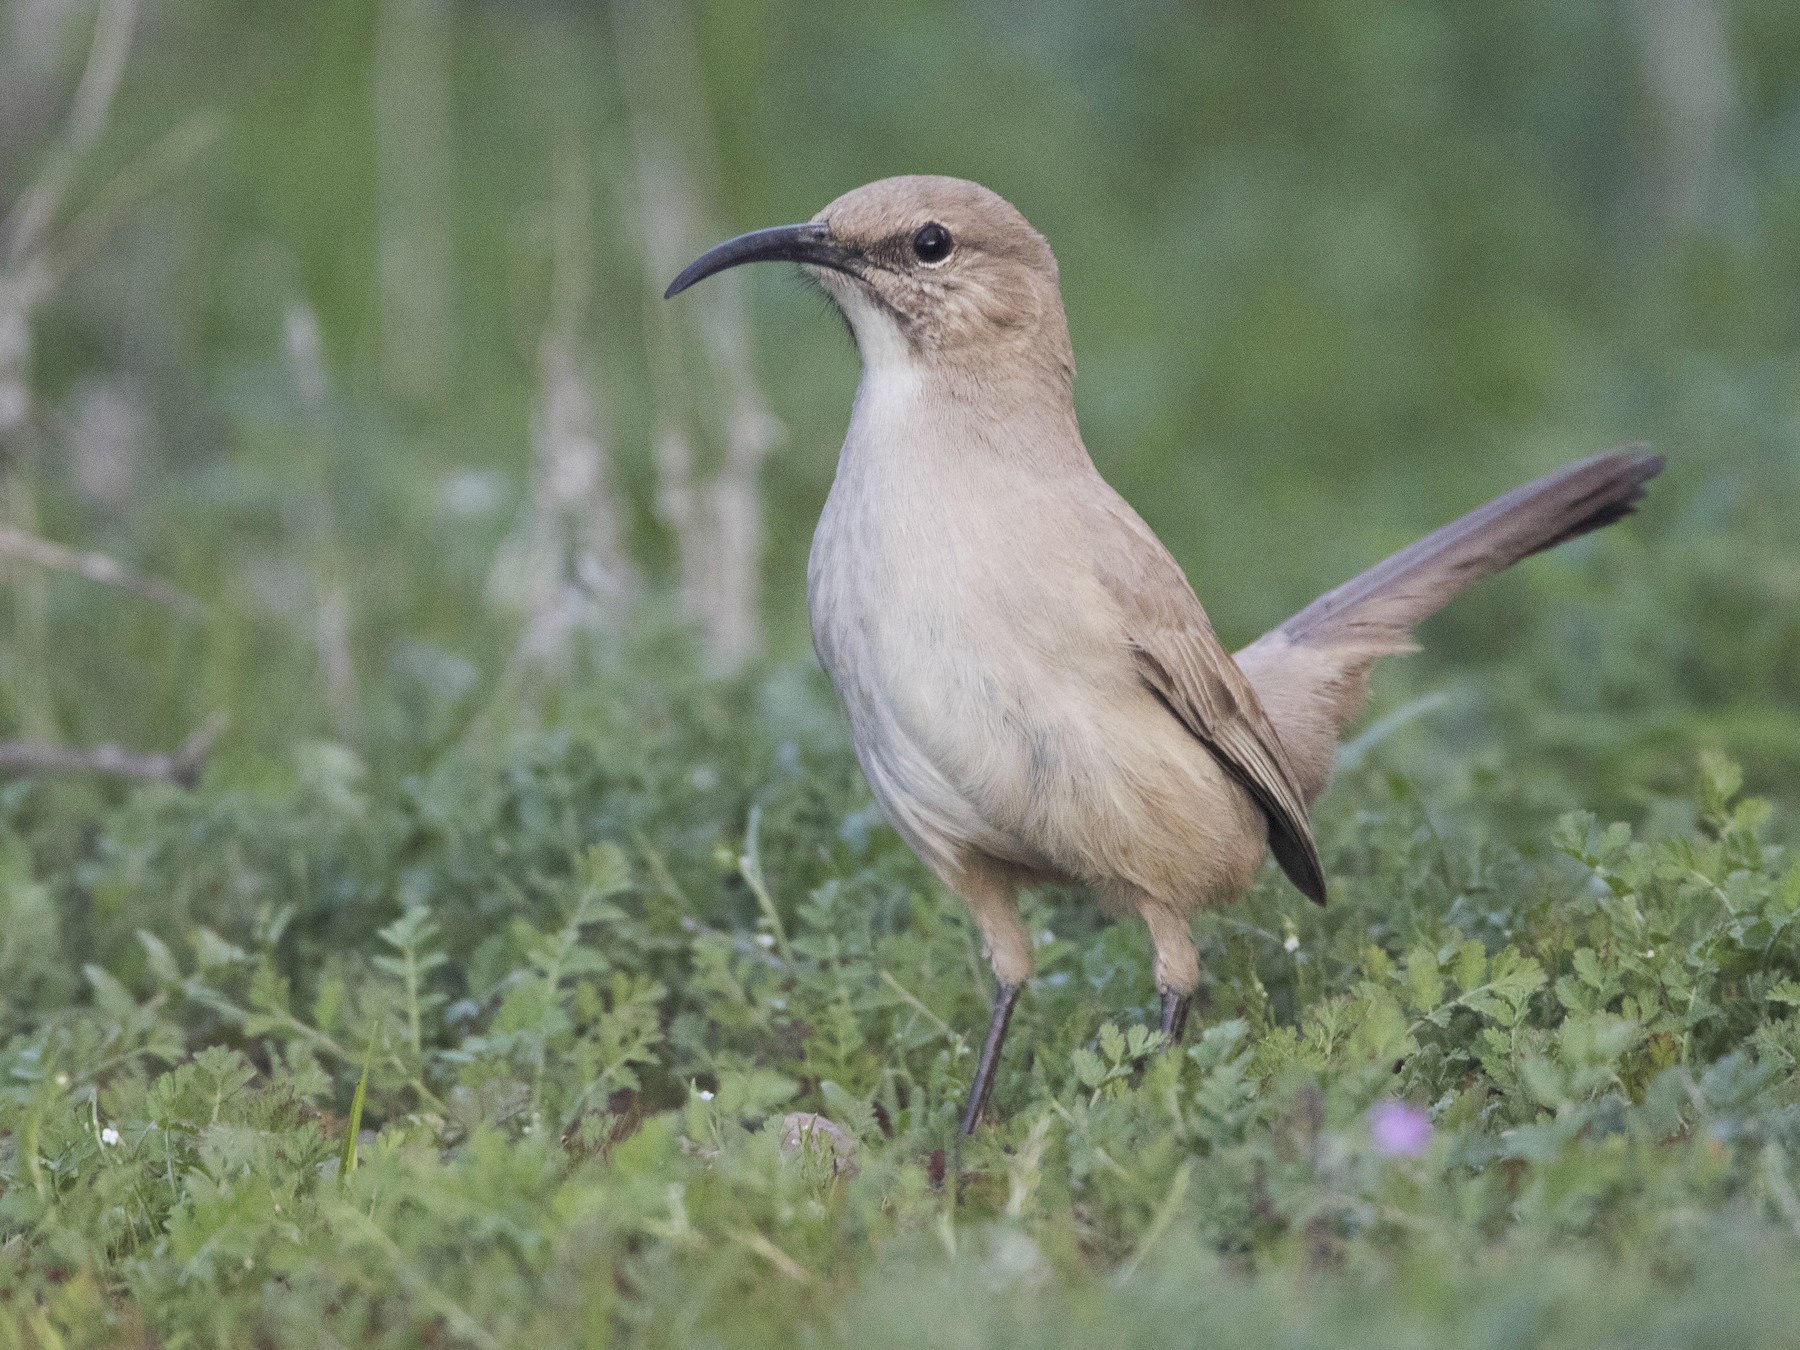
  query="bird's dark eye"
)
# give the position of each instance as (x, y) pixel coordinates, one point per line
(932, 243)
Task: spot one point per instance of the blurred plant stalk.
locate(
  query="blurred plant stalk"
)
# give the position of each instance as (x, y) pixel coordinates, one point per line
(27, 279)
(415, 166)
(38, 246)
(711, 503)
(333, 615)
(564, 565)
(1686, 57)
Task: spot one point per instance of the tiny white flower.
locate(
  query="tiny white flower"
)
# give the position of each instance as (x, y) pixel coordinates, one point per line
(62, 1080)
(1292, 944)
(109, 1136)
(765, 939)
(704, 1095)
(1649, 953)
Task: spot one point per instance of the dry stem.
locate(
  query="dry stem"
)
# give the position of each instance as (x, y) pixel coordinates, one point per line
(182, 767)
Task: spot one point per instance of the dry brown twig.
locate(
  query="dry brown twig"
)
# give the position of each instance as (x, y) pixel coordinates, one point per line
(17, 546)
(181, 767)
(39, 243)
(27, 278)
(37, 207)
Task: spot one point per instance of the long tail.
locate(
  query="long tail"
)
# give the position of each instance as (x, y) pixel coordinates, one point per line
(1312, 671)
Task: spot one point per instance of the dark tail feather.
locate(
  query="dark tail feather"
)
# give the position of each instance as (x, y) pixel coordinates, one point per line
(1378, 610)
(1312, 672)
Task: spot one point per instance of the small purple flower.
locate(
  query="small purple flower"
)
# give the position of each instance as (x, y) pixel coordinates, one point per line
(1399, 1130)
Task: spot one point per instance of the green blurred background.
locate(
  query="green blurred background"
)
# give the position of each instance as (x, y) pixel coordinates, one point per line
(339, 282)
(337, 396)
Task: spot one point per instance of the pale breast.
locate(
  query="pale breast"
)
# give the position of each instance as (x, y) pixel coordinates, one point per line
(919, 695)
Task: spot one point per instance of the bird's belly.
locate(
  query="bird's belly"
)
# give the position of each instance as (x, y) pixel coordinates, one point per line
(941, 741)
(1114, 791)
(1028, 739)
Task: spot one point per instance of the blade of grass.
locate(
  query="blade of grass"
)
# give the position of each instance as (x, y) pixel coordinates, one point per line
(1165, 1214)
(750, 868)
(1352, 754)
(353, 1127)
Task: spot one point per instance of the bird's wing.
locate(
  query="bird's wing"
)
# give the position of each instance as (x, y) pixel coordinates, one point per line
(1183, 664)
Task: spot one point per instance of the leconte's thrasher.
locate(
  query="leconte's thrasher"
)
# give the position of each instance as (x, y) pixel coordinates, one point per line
(1034, 692)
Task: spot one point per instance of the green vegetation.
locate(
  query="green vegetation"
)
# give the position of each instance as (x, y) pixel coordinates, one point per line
(592, 1003)
(514, 976)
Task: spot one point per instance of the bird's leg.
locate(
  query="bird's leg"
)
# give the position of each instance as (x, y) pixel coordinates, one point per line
(991, 891)
(1174, 1014)
(1006, 997)
(1177, 963)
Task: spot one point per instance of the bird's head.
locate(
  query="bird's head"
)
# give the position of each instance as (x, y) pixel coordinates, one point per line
(928, 271)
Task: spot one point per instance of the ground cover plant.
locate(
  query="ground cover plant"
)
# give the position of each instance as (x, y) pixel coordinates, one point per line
(631, 1057)
(513, 955)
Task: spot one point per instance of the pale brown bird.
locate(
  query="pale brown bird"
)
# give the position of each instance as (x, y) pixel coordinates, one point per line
(1034, 692)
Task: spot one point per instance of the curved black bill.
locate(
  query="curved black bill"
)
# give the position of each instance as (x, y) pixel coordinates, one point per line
(809, 243)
